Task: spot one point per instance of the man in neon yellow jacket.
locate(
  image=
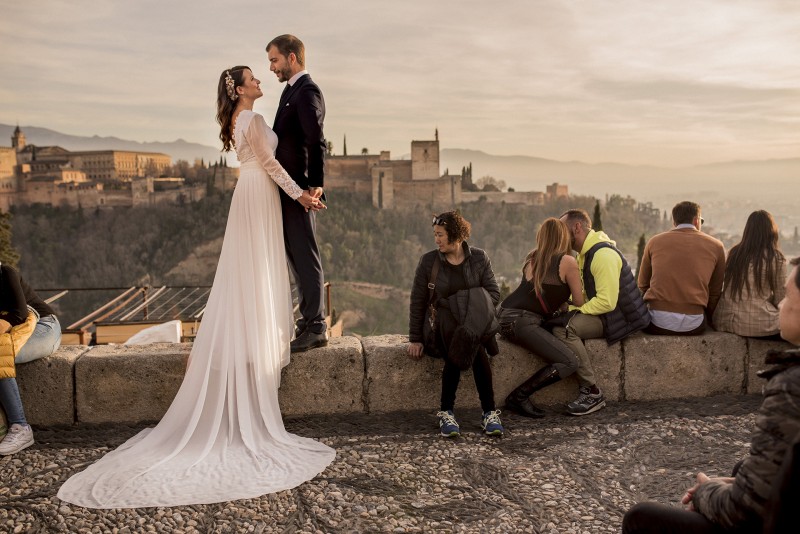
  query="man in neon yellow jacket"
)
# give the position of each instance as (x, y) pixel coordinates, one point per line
(613, 306)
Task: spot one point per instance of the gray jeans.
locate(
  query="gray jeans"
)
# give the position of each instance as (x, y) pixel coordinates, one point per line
(524, 328)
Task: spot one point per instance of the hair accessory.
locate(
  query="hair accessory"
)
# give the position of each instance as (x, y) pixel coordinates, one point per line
(230, 86)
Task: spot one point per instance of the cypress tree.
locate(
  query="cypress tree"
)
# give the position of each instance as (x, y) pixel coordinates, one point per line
(640, 252)
(597, 222)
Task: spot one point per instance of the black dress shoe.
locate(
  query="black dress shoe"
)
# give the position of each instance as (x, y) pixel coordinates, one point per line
(308, 340)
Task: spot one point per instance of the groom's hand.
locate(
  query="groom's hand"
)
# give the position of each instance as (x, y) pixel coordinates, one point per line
(315, 192)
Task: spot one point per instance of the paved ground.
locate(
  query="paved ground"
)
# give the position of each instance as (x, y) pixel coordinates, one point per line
(393, 473)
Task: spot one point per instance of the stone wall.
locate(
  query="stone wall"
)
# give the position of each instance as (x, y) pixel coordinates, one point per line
(132, 384)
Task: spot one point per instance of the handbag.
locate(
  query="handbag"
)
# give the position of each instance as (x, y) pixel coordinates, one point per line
(430, 326)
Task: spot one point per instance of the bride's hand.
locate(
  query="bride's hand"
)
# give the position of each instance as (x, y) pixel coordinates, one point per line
(308, 201)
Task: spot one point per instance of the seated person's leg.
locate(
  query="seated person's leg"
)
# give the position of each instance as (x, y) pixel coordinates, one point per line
(44, 341)
(19, 433)
(656, 518)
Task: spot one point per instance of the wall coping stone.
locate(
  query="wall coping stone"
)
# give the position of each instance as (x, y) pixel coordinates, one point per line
(136, 383)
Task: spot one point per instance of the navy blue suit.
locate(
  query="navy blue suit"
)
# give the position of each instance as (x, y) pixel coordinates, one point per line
(301, 151)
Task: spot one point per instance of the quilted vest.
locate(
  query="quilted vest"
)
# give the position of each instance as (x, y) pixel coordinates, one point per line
(631, 313)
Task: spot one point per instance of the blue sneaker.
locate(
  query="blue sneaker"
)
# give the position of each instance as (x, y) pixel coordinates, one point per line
(491, 423)
(448, 425)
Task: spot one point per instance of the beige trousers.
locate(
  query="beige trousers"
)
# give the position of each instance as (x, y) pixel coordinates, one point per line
(581, 327)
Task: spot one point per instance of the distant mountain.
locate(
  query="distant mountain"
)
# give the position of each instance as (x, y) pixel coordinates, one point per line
(727, 191)
(525, 173)
(179, 149)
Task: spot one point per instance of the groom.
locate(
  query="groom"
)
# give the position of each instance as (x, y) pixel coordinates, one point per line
(301, 151)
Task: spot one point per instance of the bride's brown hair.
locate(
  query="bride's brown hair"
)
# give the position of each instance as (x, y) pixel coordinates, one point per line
(226, 102)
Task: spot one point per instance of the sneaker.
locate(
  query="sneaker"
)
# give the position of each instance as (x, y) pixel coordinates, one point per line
(491, 423)
(587, 402)
(18, 438)
(448, 425)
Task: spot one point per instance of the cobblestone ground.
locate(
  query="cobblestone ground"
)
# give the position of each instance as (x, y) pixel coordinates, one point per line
(393, 473)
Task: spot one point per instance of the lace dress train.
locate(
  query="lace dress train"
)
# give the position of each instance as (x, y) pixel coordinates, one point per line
(223, 436)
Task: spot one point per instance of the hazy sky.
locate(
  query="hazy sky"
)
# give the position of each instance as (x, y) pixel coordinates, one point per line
(674, 82)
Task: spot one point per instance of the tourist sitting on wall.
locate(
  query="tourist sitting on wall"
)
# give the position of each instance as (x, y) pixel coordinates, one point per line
(737, 504)
(755, 273)
(549, 275)
(452, 316)
(612, 307)
(17, 323)
(681, 275)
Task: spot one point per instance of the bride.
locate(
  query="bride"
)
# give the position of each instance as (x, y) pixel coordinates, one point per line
(223, 437)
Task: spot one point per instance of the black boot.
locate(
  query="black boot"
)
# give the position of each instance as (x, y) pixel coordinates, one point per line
(519, 400)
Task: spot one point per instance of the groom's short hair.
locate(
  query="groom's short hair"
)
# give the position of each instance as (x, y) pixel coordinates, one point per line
(289, 44)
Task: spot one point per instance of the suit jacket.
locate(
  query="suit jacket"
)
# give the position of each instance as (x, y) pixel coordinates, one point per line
(298, 124)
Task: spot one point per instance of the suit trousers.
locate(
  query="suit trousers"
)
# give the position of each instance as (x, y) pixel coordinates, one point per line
(302, 253)
(581, 327)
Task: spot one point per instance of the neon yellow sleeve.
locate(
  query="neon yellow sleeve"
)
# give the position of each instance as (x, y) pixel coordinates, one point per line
(606, 266)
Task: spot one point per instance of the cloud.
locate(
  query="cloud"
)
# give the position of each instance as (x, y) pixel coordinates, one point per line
(699, 80)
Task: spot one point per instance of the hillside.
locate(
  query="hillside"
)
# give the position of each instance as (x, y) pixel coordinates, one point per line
(728, 191)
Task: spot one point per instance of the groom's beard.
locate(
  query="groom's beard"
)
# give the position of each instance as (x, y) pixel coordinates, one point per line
(284, 75)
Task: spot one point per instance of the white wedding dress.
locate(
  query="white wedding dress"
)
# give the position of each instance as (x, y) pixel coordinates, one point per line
(223, 437)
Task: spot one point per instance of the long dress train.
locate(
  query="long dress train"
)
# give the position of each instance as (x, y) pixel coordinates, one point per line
(223, 436)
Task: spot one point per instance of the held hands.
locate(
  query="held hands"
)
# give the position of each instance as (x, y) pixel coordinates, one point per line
(415, 351)
(311, 202)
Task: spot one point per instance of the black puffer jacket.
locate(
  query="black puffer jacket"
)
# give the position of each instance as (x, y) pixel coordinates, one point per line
(777, 427)
(631, 313)
(477, 273)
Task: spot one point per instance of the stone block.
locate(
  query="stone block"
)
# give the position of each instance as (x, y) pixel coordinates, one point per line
(47, 387)
(395, 382)
(129, 383)
(325, 380)
(514, 364)
(756, 351)
(664, 367)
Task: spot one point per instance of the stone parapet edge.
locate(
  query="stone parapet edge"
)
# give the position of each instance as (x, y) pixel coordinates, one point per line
(133, 384)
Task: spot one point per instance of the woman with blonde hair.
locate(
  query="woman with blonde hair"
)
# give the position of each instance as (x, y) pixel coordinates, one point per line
(549, 275)
(755, 275)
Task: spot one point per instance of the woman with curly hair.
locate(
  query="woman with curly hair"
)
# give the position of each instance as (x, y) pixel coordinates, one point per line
(454, 290)
(755, 274)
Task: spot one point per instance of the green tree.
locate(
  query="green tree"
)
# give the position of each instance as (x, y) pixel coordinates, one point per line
(597, 222)
(490, 183)
(505, 290)
(640, 252)
(8, 254)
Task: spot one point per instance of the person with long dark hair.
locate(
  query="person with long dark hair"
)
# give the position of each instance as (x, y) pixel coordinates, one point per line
(755, 274)
(549, 276)
(223, 436)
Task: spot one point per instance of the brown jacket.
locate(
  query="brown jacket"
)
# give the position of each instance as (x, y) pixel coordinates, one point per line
(682, 271)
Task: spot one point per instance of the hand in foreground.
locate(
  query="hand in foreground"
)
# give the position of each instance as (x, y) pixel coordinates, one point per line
(702, 478)
(415, 351)
(316, 192)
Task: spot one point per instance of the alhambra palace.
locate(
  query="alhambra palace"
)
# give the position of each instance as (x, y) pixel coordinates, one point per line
(54, 176)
